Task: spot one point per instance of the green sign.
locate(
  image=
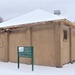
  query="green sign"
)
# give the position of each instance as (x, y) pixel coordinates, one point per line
(26, 52)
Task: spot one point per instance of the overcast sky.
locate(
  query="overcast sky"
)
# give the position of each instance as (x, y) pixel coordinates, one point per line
(13, 8)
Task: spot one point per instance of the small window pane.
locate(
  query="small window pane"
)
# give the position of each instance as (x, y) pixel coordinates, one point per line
(65, 34)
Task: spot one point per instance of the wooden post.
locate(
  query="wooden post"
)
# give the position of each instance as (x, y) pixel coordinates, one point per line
(57, 45)
(70, 44)
(6, 46)
(31, 36)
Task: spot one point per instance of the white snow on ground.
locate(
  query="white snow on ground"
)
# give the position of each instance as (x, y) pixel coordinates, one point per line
(11, 69)
(32, 17)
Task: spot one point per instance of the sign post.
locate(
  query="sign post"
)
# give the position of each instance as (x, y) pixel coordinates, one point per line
(26, 52)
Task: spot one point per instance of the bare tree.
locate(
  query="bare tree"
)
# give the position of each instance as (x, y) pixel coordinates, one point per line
(1, 19)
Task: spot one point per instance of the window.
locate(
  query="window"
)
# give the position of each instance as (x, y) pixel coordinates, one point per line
(65, 34)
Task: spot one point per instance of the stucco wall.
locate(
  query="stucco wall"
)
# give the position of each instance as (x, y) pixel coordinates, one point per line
(43, 43)
(18, 38)
(57, 45)
(3, 47)
(44, 38)
(72, 44)
(65, 45)
(47, 39)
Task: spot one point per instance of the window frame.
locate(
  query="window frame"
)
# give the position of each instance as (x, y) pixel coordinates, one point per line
(65, 35)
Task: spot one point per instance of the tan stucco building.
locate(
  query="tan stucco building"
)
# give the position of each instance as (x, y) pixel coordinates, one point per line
(53, 40)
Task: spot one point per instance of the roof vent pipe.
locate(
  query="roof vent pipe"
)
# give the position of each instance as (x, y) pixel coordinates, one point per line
(57, 12)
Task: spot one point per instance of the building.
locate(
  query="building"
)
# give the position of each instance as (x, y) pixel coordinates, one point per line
(51, 36)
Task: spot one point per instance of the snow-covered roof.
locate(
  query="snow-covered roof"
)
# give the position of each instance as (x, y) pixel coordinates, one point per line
(32, 17)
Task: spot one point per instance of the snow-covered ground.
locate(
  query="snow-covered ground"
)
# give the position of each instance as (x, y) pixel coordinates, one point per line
(11, 69)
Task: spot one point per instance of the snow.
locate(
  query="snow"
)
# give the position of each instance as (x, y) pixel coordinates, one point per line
(11, 69)
(32, 17)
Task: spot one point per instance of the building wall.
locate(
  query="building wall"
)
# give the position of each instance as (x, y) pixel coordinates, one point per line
(50, 48)
(43, 43)
(65, 45)
(72, 44)
(44, 38)
(18, 38)
(3, 47)
(57, 45)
